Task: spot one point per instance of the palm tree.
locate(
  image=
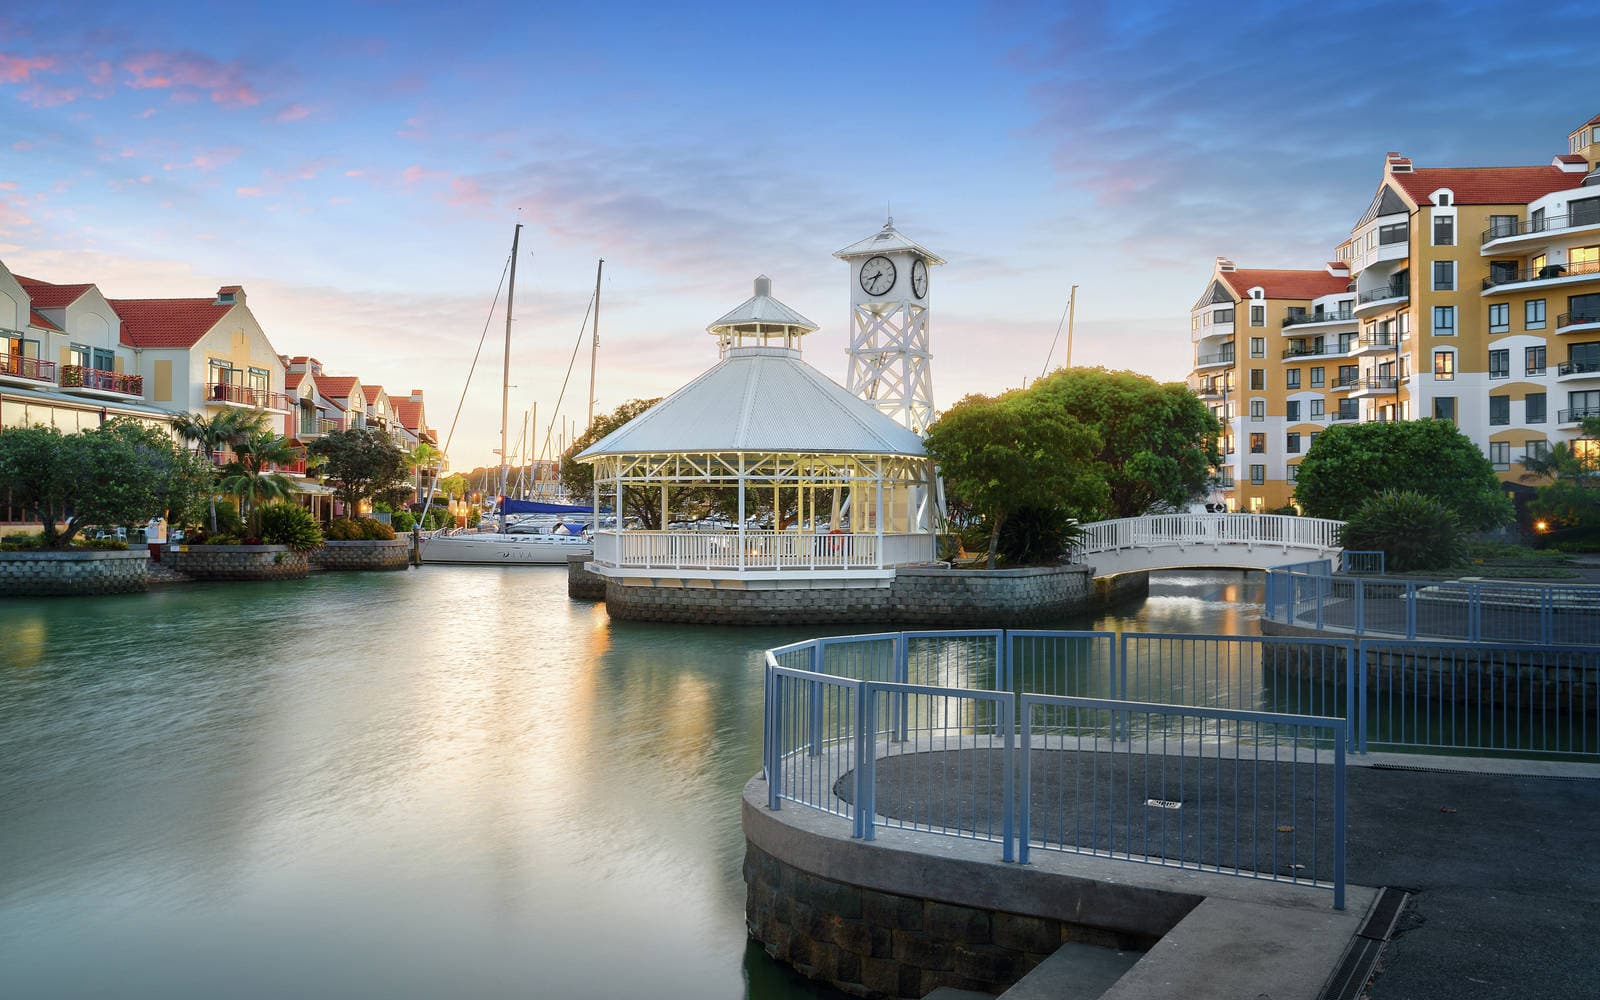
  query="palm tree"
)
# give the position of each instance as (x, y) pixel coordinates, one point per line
(253, 475)
(423, 456)
(214, 434)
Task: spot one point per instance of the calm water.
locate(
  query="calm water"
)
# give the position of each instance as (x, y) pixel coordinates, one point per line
(446, 782)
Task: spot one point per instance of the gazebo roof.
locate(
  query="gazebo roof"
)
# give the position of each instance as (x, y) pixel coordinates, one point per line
(760, 400)
(886, 240)
(761, 310)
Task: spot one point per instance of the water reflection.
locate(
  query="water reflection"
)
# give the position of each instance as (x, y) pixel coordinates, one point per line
(452, 781)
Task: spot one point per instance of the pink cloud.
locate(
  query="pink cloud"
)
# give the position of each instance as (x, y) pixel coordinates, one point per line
(294, 113)
(42, 96)
(249, 192)
(146, 113)
(8, 185)
(467, 191)
(22, 145)
(414, 173)
(100, 73)
(355, 173)
(190, 71)
(18, 69)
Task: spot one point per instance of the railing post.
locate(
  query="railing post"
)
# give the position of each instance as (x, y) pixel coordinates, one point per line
(1474, 613)
(1338, 824)
(775, 776)
(1547, 615)
(1361, 696)
(898, 707)
(1361, 606)
(1323, 583)
(1411, 610)
(1002, 656)
(1007, 704)
(1352, 704)
(867, 761)
(1026, 781)
(816, 698)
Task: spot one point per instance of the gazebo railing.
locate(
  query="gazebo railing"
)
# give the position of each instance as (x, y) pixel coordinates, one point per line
(759, 550)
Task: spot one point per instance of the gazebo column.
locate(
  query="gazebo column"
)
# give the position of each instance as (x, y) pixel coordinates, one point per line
(665, 509)
(879, 512)
(741, 512)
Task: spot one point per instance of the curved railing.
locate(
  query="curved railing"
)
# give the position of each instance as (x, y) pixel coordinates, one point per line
(1208, 529)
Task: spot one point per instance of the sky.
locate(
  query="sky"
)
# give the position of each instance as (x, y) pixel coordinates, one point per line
(358, 167)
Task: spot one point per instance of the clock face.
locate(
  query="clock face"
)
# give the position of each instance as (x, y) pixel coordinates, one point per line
(877, 275)
(919, 278)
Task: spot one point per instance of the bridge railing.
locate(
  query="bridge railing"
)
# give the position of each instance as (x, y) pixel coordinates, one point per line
(1208, 529)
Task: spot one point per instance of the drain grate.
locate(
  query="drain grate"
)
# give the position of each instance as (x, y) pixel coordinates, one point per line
(1356, 968)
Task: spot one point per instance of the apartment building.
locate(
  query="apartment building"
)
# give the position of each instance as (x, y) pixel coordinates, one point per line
(1466, 293)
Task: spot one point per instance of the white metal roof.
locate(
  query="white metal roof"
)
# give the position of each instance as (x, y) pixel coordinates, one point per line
(760, 399)
(886, 240)
(761, 308)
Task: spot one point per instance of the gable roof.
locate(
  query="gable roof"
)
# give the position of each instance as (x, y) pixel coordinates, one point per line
(1487, 185)
(337, 386)
(372, 392)
(409, 413)
(167, 322)
(1385, 202)
(36, 318)
(1286, 284)
(49, 296)
(292, 380)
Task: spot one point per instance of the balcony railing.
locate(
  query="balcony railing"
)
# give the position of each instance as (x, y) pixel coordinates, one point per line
(1578, 368)
(1299, 319)
(1377, 340)
(16, 364)
(1576, 414)
(1381, 383)
(314, 428)
(1220, 358)
(1548, 224)
(1380, 294)
(1342, 415)
(1577, 318)
(1309, 351)
(1345, 381)
(1548, 272)
(224, 392)
(79, 377)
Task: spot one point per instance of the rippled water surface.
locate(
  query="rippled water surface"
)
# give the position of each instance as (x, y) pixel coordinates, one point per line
(450, 782)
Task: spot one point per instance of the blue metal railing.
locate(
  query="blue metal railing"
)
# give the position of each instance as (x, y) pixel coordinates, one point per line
(1362, 561)
(1306, 594)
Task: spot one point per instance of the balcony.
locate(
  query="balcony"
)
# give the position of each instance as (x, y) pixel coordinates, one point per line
(1315, 318)
(1577, 370)
(98, 382)
(1508, 233)
(1297, 351)
(1373, 342)
(1574, 322)
(1581, 271)
(1340, 383)
(18, 370)
(1373, 385)
(1208, 388)
(1211, 330)
(1575, 415)
(227, 394)
(1214, 360)
(318, 427)
(1376, 300)
(1339, 415)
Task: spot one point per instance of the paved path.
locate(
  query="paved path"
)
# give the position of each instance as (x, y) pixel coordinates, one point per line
(1504, 869)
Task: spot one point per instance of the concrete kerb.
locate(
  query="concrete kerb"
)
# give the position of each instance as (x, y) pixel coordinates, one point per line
(1203, 920)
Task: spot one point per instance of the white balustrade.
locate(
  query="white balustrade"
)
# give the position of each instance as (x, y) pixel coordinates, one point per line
(759, 550)
(1209, 529)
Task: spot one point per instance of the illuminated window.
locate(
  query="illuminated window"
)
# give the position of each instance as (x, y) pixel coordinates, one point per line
(1444, 366)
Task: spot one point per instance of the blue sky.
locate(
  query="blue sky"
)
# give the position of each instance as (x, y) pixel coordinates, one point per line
(357, 167)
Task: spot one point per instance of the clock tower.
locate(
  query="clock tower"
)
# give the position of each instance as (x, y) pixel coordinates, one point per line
(890, 363)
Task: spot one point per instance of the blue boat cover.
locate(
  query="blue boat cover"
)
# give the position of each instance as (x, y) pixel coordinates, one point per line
(540, 507)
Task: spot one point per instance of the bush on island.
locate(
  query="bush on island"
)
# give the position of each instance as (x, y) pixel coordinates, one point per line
(1413, 531)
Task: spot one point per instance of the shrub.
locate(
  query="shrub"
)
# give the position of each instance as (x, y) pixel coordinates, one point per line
(289, 524)
(438, 518)
(1033, 536)
(404, 520)
(343, 529)
(228, 520)
(1288, 510)
(374, 530)
(1413, 531)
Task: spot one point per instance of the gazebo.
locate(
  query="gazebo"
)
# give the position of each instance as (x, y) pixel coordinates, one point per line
(763, 423)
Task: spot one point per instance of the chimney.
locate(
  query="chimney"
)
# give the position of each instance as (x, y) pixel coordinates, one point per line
(230, 295)
(1224, 264)
(1394, 163)
(763, 286)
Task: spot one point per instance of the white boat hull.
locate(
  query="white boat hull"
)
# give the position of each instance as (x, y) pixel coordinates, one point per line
(505, 550)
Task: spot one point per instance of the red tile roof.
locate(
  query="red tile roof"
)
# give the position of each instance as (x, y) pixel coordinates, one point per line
(38, 320)
(1486, 185)
(371, 391)
(1285, 284)
(409, 413)
(337, 386)
(292, 380)
(48, 296)
(1593, 121)
(1572, 158)
(167, 322)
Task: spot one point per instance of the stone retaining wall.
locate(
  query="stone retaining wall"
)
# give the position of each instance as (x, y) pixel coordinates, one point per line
(583, 585)
(1122, 588)
(236, 562)
(378, 554)
(916, 595)
(88, 571)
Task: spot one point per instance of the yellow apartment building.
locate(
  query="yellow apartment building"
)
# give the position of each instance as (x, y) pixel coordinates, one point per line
(1467, 293)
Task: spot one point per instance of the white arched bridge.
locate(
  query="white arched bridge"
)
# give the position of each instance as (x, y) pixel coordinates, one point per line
(1204, 541)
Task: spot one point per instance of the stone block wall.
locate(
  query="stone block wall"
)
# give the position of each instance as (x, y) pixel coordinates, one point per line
(380, 554)
(50, 574)
(235, 562)
(583, 585)
(1122, 589)
(870, 943)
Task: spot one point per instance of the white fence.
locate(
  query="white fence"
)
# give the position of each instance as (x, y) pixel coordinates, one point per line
(759, 550)
(1175, 540)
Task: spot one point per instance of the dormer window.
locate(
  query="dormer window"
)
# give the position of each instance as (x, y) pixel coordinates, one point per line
(1443, 201)
(225, 298)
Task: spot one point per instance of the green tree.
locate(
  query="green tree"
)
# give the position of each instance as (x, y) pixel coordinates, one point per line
(116, 474)
(577, 478)
(1021, 451)
(253, 477)
(362, 464)
(1348, 464)
(1157, 443)
(422, 456)
(1413, 531)
(214, 434)
(453, 487)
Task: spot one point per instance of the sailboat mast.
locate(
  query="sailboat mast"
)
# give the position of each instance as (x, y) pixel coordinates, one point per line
(505, 376)
(594, 339)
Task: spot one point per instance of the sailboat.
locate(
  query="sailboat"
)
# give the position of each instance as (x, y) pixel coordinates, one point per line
(501, 548)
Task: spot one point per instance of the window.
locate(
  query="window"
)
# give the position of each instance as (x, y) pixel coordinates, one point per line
(103, 360)
(1582, 309)
(1444, 366)
(1222, 315)
(1293, 411)
(1500, 317)
(1582, 358)
(1536, 449)
(222, 373)
(1258, 410)
(1395, 232)
(1533, 314)
(1258, 315)
(1444, 321)
(1502, 225)
(1444, 408)
(1258, 444)
(1500, 364)
(1443, 201)
(1349, 375)
(1317, 380)
(1533, 360)
(1583, 404)
(1194, 322)
(1500, 454)
(1499, 411)
(77, 354)
(1346, 342)
(1291, 443)
(1313, 439)
(1405, 324)
(260, 380)
(1444, 230)
(1317, 412)
(1583, 260)
(1258, 474)
(1444, 275)
(1258, 347)
(1258, 378)
(1292, 378)
(1583, 213)
(1294, 472)
(1533, 408)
